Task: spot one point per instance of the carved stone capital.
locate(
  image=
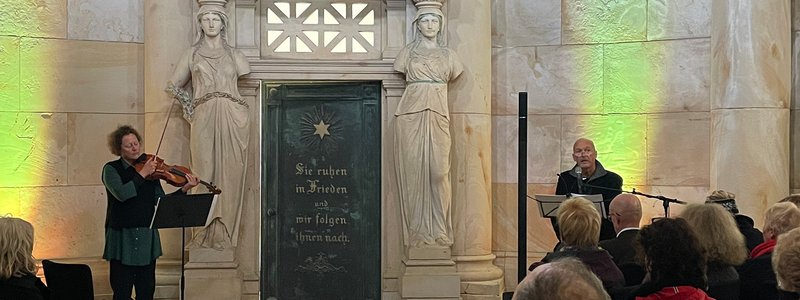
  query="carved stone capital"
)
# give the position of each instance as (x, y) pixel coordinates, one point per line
(213, 2)
(435, 4)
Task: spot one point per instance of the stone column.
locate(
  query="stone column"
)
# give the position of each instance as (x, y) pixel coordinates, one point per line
(167, 27)
(750, 98)
(469, 34)
(395, 25)
(168, 30)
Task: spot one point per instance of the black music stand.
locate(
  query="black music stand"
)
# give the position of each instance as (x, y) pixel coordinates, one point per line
(548, 204)
(181, 211)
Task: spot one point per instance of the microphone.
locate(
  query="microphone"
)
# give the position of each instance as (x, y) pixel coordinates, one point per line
(580, 179)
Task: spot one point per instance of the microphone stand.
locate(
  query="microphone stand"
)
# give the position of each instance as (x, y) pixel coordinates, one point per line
(666, 201)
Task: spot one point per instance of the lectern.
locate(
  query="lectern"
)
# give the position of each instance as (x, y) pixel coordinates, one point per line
(548, 204)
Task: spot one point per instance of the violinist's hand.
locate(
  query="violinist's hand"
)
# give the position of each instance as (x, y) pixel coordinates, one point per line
(149, 167)
(191, 182)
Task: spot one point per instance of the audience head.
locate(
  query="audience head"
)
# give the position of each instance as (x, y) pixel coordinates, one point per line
(793, 198)
(672, 253)
(563, 279)
(726, 199)
(625, 211)
(16, 248)
(717, 233)
(786, 261)
(579, 223)
(780, 218)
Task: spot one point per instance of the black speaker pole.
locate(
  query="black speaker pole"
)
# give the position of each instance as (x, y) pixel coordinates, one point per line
(522, 189)
(183, 259)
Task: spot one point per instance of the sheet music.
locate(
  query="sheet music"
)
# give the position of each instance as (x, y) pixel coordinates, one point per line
(548, 204)
(211, 210)
(178, 210)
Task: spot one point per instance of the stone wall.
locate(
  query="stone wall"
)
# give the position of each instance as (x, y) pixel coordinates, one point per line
(794, 141)
(70, 72)
(632, 75)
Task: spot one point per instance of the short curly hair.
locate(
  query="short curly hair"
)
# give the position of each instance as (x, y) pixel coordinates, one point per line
(786, 261)
(579, 223)
(115, 138)
(780, 218)
(673, 253)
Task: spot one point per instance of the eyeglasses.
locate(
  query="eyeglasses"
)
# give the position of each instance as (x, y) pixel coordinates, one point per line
(619, 213)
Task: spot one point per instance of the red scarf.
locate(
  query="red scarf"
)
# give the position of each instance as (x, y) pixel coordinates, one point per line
(763, 248)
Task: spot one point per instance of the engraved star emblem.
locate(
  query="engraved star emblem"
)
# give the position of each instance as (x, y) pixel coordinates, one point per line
(321, 129)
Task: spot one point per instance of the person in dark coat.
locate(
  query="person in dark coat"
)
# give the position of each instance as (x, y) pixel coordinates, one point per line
(724, 246)
(594, 179)
(675, 260)
(756, 275)
(580, 228)
(18, 269)
(131, 245)
(625, 213)
(746, 225)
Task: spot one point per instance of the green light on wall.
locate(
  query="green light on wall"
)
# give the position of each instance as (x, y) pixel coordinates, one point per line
(631, 82)
(633, 85)
(22, 163)
(9, 109)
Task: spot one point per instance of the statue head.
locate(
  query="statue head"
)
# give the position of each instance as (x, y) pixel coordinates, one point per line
(212, 20)
(426, 17)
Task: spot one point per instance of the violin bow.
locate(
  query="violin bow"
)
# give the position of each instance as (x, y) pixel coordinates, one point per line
(165, 127)
(209, 185)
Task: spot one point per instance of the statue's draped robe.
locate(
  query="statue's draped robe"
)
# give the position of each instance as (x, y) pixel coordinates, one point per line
(220, 129)
(422, 144)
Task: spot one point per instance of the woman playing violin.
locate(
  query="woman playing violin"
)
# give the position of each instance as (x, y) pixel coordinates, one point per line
(131, 246)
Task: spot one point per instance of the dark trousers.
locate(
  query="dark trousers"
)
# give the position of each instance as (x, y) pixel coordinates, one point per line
(123, 278)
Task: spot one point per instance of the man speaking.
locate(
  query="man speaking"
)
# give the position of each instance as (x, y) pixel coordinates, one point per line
(589, 177)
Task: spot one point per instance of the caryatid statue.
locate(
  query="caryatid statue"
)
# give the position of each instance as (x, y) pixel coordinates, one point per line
(219, 119)
(422, 131)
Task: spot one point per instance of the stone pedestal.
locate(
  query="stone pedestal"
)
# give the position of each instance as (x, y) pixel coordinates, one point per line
(212, 274)
(430, 273)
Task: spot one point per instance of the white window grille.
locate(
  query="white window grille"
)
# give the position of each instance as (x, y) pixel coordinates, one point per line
(321, 29)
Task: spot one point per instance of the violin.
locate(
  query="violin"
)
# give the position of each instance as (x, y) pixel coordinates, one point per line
(172, 174)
